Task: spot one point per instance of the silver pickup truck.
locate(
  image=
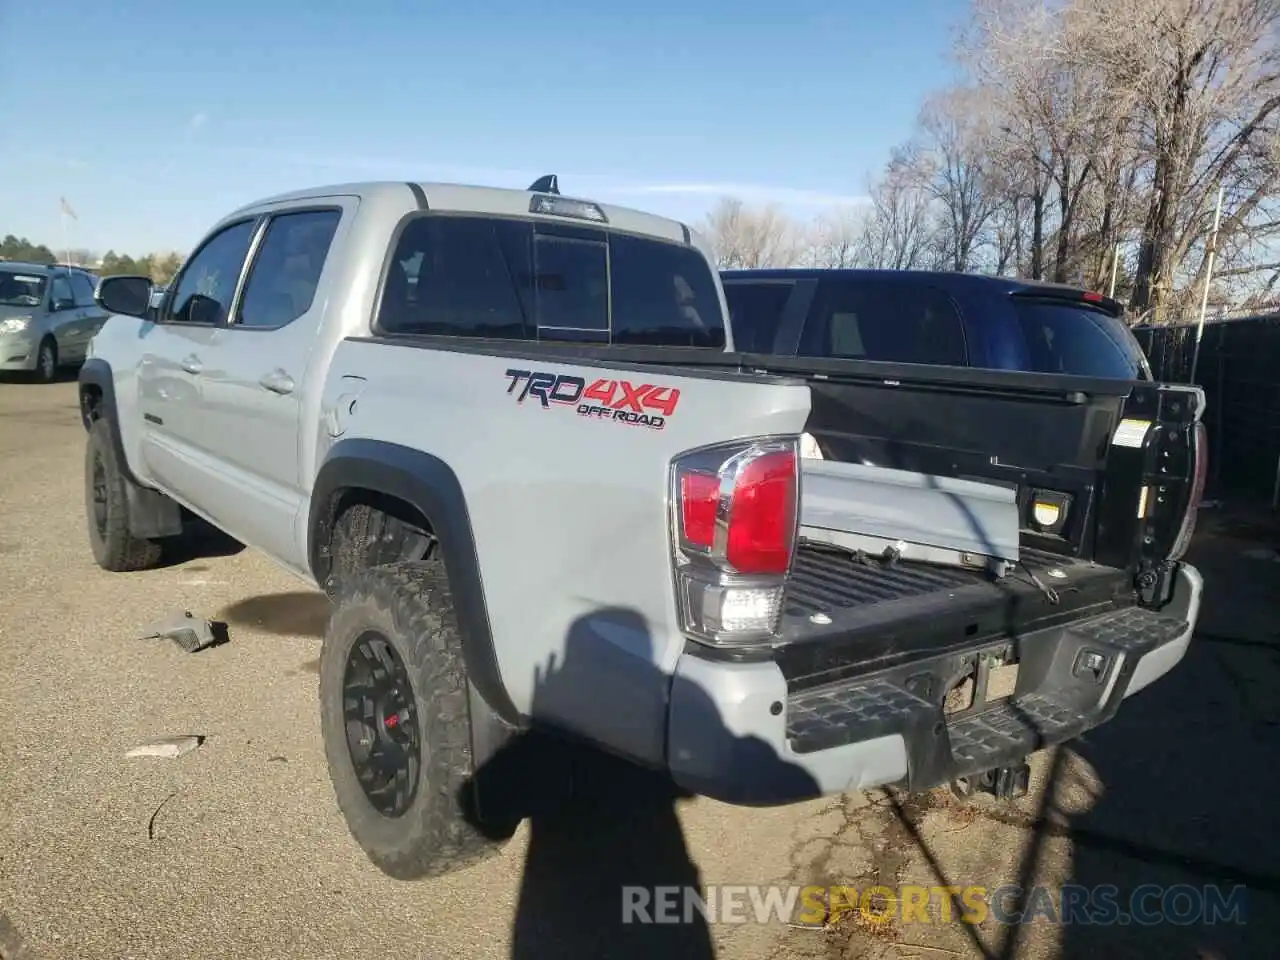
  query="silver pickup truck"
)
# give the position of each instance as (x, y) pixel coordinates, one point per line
(508, 433)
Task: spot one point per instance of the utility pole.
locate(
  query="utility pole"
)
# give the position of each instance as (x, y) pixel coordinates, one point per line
(1115, 268)
(1208, 280)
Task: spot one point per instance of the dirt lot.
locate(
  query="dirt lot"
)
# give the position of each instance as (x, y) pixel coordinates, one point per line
(237, 849)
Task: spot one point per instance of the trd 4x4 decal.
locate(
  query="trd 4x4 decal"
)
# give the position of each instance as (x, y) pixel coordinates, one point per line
(642, 405)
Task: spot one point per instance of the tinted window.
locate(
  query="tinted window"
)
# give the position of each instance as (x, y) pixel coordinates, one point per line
(663, 295)
(286, 269)
(572, 283)
(208, 280)
(485, 277)
(755, 313)
(457, 276)
(890, 321)
(60, 293)
(82, 286)
(1076, 339)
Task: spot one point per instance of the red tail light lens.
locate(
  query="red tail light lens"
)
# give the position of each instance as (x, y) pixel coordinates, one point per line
(762, 518)
(699, 498)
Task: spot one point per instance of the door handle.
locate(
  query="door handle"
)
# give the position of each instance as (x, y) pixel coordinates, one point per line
(191, 363)
(277, 381)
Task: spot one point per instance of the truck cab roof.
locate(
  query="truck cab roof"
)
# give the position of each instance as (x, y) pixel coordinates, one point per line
(497, 201)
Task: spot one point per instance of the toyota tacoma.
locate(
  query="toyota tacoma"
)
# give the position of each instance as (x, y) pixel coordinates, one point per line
(511, 436)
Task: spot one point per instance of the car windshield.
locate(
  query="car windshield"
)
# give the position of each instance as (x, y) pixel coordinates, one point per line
(18, 289)
(1073, 338)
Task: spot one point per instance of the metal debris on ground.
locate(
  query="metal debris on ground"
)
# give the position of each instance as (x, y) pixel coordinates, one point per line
(190, 633)
(168, 748)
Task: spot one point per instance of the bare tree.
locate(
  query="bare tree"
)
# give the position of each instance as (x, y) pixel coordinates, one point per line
(833, 240)
(745, 239)
(1205, 76)
(899, 233)
(955, 157)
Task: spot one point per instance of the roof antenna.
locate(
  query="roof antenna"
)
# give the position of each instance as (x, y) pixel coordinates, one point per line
(547, 184)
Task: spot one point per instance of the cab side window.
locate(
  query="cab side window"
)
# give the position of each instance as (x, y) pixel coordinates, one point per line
(208, 282)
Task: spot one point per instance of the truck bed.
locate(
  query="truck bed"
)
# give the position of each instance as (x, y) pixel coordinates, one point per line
(845, 616)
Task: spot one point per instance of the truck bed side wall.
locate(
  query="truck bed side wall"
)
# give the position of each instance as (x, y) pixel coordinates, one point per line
(568, 513)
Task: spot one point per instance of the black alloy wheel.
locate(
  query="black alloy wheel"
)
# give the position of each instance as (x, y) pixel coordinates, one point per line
(383, 734)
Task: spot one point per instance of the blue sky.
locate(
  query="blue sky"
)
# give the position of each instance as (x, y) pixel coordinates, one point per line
(155, 117)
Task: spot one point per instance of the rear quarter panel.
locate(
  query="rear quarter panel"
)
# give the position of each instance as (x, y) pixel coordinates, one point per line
(569, 516)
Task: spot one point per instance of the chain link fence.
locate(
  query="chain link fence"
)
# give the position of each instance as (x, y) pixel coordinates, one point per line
(1239, 370)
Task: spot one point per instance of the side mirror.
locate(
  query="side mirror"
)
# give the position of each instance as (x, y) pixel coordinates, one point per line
(63, 303)
(130, 296)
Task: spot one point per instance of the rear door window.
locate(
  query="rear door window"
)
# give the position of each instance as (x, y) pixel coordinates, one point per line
(1071, 338)
(897, 322)
(450, 276)
(755, 313)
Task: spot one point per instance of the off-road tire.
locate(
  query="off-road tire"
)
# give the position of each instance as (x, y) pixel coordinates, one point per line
(410, 605)
(114, 548)
(46, 371)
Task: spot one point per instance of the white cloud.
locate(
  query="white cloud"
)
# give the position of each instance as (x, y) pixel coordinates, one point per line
(197, 121)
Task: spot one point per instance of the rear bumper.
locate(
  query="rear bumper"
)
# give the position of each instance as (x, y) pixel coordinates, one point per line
(737, 734)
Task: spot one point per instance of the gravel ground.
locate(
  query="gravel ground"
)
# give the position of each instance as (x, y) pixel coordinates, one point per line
(237, 849)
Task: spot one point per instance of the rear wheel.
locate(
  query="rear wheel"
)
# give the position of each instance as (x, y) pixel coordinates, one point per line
(106, 505)
(395, 718)
(47, 360)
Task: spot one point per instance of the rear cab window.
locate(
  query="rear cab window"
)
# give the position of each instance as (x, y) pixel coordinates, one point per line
(497, 278)
(890, 321)
(1063, 336)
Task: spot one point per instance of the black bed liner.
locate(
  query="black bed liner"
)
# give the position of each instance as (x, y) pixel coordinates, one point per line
(843, 617)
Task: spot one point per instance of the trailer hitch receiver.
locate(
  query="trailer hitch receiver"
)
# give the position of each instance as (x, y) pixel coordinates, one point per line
(1003, 783)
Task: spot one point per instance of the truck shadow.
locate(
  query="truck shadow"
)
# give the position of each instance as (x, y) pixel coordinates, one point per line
(1189, 771)
(600, 824)
(1156, 834)
(302, 613)
(199, 541)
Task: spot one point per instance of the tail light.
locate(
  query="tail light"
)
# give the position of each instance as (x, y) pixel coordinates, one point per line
(1199, 470)
(735, 515)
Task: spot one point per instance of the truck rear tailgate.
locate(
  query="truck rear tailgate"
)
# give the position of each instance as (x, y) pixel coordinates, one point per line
(845, 617)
